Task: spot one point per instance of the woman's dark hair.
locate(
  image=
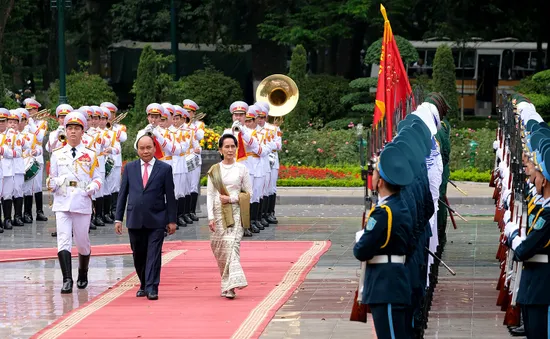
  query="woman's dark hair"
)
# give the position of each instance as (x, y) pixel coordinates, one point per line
(222, 139)
(227, 136)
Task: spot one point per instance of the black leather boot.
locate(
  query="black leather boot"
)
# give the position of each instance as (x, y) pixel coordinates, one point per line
(66, 269)
(98, 221)
(114, 198)
(39, 202)
(263, 211)
(247, 232)
(187, 210)
(192, 212)
(27, 211)
(1, 224)
(180, 221)
(271, 210)
(83, 262)
(107, 209)
(18, 217)
(260, 220)
(254, 212)
(6, 206)
(92, 225)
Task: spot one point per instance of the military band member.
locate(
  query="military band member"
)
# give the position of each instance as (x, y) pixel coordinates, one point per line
(32, 106)
(5, 153)
(12, 191)
(54, 141)
(179, 165)
(111, 149)
(384, 245)
(116, 173)
(31, 151)
(188, 151)
(11, 155)
(264, 168)
(270, 189)
(197, 127)
(73, 180)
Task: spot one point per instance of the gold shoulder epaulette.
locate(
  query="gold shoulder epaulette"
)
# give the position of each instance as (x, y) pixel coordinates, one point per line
(57, 149)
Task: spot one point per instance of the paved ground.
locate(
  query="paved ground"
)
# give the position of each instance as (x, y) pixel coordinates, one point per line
(464, 306)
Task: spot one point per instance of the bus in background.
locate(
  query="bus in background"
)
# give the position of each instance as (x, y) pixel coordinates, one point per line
(483, 68)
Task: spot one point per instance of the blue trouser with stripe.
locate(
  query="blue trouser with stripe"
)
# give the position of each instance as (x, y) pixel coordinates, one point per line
(535, 321)
(390, 321)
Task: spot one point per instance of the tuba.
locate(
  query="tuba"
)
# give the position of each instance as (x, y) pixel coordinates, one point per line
(280, 92)
(62, 135)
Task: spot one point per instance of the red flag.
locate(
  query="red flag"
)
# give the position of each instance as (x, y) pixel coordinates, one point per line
(241, 150)
(393, 83)
(159, 154)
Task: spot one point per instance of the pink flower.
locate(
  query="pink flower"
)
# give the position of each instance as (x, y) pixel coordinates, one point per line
(285, 142)
(489, 117)
(456, 135)
(314, 142)
(350, 125)
(320, 150)
(347, 142)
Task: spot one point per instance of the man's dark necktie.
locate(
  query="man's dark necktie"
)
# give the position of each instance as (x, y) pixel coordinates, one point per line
(74, 152)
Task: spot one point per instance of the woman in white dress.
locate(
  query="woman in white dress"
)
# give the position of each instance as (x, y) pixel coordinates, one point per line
(228, 201)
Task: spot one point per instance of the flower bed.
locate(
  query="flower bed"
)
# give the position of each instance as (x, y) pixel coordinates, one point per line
(210, 140)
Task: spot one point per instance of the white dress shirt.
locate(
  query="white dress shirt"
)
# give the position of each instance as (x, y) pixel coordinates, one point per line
(149, 168)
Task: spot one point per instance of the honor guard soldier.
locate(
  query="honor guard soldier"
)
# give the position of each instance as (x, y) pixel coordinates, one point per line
(111, 149)
(19, 163)
(384, 245)
(158, 117)
(96, 133)
(32, 106)
(73, 180)
(11, 152)
(194, 176)
(263, 170)
(116, 172)
(28, 130)
(14, 196)
(533, 250)
(56, 137)
(179, 165)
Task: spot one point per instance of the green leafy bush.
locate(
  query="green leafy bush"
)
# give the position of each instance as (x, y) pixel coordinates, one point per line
(471, 175)
(83, 89)
(211, 90)
(462, 153)
(541, 102)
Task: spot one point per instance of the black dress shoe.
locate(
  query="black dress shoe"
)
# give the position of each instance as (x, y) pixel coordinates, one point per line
(270, 219)
(27, 218)
(17, 221)
(92, 226)
(1, 228)
(141, 293)
(259, 225)
(7, 224)
(187, 219)
(108, 219)
(181, 222)
(54, 234)
(517, 331)
(193, 217)
(98, 221)
(264, 222)
(40, 216)
(152, 296)
(254, 228)
(247, 233)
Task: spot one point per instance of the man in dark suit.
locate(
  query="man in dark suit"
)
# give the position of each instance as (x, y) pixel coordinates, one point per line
(148, 187)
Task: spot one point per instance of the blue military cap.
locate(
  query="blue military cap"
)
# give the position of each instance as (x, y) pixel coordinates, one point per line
(416, 137)
(544, 161)
(394, 167)
(544, 126)
(410, 152)
(529, 125)
(416, 123)
(533, 141)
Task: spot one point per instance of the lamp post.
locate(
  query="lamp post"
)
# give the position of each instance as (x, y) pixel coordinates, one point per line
(61, 5)
(174, 39)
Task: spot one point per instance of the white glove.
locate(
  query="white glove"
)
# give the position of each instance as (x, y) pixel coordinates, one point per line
(495, 145)
(91, 188)
(506, 217)
(510, 228)
(57, 182)
(358, 235)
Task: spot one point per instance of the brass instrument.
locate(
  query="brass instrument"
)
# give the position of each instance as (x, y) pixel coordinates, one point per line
(236, 128)
(62, 135)
(41, 114)
(197, 117)
(116, 120)
(281, 93)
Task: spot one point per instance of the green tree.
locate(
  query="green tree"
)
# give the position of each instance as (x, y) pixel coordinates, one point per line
(145, 86)
(211, 89)
(406, 50)
(298, 68)
(444, 77)
(360, 101)
(83, 89)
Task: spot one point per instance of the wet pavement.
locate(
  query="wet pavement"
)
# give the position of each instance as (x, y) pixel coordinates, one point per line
(464, 305)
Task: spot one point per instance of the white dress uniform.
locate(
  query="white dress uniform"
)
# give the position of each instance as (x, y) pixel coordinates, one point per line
(10, 167)
(73, 180)
(194, 176)
(434, 164)
(3, 149)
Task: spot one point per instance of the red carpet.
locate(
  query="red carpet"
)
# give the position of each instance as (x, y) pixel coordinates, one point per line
(25, 254)
(189, 304)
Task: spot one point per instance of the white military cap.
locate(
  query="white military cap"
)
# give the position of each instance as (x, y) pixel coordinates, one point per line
(30, 103)
(169, 107)
(238, 107)
(63, 109)
(110, 106)
(14, 115)
(189, 104)
(106, 112)
(76, 118)
(24, 113)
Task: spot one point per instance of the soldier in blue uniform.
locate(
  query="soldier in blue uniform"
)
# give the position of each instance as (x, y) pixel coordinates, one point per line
(384, 245)
(533, 249)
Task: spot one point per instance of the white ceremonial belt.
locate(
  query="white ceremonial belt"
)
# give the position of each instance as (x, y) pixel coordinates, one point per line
(539, 258)
(76, 184)
(386, 259)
